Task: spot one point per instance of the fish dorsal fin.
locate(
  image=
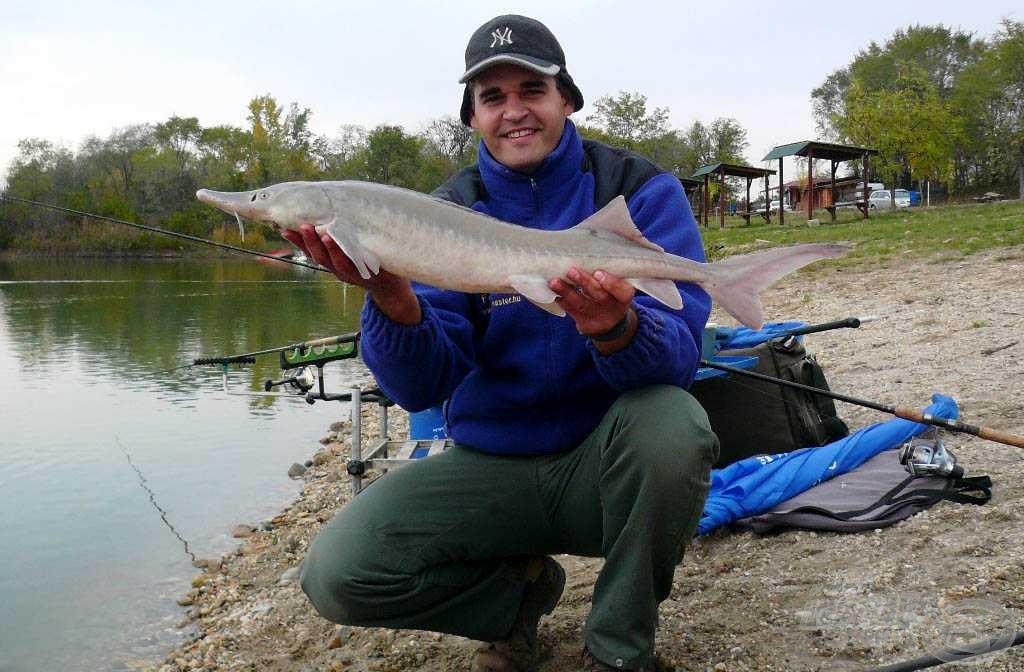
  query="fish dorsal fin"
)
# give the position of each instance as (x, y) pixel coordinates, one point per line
(614, 220)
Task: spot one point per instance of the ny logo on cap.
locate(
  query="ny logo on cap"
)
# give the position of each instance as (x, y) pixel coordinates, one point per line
(501, 37)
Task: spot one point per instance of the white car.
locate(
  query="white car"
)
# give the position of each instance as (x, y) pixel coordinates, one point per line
(881, 199)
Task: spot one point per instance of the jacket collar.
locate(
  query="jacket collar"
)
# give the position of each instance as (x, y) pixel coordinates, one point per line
(557, 172)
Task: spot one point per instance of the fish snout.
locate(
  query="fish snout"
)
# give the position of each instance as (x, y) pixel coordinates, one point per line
(231, 202)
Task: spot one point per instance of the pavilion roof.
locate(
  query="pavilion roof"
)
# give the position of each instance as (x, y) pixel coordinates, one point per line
(820, 150)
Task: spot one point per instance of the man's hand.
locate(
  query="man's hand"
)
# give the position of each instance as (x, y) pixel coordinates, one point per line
(597, 302)
(392, 294)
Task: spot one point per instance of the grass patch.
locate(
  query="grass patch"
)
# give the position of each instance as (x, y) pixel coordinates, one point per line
(946, 233)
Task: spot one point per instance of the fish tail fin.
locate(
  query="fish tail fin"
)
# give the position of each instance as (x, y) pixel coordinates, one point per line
(736, 282)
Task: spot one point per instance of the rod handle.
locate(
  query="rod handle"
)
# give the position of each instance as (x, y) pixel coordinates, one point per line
(331, 340)
(848, 323)
(1001, 437)
(908, 413)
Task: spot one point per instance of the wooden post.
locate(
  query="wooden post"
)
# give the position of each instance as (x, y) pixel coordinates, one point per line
(768, 202)
(810, 184)
(721, 196)
(704, 201)
(782, 215)
(746, 207)
(833, 204)
(866, 194)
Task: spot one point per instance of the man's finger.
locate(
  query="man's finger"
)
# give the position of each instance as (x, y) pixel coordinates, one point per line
(315, 246)
(622, 291)
(568, 297)
(588, 284)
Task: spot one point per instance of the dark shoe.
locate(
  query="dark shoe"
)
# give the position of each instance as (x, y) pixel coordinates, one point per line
(588, 663)
(519, 652)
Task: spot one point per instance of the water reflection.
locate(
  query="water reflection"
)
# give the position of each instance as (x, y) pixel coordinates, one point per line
(90, 572)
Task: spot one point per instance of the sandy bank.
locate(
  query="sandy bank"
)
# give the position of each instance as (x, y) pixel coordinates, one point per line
(795, 601)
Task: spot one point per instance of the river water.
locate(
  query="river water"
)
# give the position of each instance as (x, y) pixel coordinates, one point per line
(90, 572)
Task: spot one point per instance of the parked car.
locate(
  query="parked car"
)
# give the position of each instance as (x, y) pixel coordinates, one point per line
(915, 198)
(881, 199)
(774, 206)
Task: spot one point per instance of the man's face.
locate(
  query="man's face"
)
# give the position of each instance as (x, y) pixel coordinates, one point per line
(519, 114)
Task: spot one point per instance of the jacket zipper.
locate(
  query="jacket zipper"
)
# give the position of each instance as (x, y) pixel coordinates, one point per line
(548, 327)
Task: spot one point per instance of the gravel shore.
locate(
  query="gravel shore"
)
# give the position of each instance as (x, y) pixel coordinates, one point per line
(741, 602)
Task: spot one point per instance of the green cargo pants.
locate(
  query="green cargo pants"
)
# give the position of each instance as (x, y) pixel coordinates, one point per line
(442, 544)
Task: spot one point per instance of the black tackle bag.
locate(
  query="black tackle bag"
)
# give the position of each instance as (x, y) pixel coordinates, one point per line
(752, 417)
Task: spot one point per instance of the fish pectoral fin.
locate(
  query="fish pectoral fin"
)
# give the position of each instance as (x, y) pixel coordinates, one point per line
(614, 220)
(365, 261)
(537, 292)
(663, 290)
(552, 307)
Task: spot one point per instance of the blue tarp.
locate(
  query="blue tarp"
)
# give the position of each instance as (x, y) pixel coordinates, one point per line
(735, 338)
(756, 484)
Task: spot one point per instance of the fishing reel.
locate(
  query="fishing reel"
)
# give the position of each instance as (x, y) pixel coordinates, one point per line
(301, 379)
(928, 456)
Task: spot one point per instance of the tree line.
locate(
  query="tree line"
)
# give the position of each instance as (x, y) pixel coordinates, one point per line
(938, 104)
(149, 173)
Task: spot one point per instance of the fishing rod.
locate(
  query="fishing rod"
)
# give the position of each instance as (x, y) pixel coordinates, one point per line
(955, 653)
(848, 323)
(154, 229)
(152, 499)
(904, 412)
(302, 346)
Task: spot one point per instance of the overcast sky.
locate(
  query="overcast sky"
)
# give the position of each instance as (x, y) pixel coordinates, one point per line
(73, 69)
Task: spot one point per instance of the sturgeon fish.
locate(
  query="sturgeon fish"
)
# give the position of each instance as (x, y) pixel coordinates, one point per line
(435, 242)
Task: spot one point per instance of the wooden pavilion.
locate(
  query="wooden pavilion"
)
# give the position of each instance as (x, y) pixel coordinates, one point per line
(723, 170)
(835, 154)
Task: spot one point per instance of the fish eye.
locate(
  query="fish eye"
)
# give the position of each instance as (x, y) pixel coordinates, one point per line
(264, 195)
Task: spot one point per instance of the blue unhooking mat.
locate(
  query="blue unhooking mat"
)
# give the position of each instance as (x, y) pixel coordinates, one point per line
(756, 484)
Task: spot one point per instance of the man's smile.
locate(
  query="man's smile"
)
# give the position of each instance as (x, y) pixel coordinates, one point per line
(517, 133)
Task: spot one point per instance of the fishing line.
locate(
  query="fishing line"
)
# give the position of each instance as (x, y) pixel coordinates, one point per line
(152, 499)
(153, 229)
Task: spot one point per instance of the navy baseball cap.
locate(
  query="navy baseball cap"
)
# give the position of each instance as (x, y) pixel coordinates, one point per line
(519, 40)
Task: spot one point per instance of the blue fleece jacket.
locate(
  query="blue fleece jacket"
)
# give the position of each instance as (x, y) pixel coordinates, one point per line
(518, 380)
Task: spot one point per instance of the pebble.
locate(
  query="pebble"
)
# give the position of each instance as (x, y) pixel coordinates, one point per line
(243, 531)
(296, 470)
(288, 576)
(322, 457)
(341, 635)
(208, 564)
